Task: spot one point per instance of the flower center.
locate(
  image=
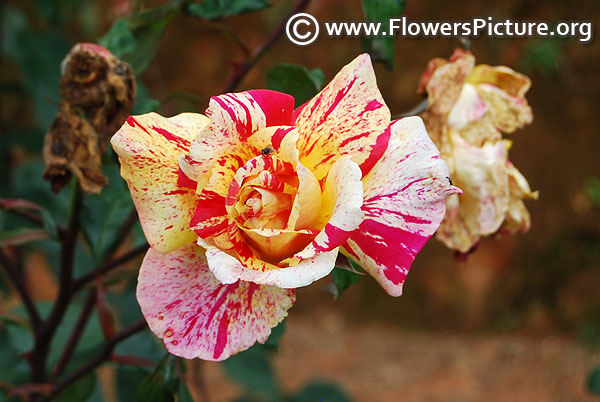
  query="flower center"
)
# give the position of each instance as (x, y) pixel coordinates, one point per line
(274, 203)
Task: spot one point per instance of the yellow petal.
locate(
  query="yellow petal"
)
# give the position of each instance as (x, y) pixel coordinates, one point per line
(148, 147)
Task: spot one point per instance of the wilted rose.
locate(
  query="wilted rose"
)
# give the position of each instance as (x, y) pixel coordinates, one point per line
(97, 91)
(469, 109)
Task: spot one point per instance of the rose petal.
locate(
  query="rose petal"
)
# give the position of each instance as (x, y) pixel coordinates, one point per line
(276, 244)
(228, 269)
(469, 107)
(404, 204)
(472, 118)
(233, 118)
(506, 79)
(342, 200)
(446, 82)
(348, 116)
(517, 217)
(282, 139)
(503, 90)
(195, 315)
(148, 147)
(210, 217)
(508, 113)
(307, 203)
(480, 172)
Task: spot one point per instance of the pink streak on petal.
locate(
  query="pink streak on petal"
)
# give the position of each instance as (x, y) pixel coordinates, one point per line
(184, 181)
(278, 107)
(182, 143)
(298, 111)
(405, 194)
(389, 247)
(221, 336)
(149, 147)
(377, 151)
(210, 217)
(196, 315)
(348, 117)
(279, 135)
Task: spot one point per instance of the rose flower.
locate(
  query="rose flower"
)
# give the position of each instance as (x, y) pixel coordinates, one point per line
(255, 199)
(469, 109)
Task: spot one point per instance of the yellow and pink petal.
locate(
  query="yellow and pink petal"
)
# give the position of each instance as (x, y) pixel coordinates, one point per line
(234, 117)
(348, 117)
(149, 147)
(404, 203)
(228, 269)
(196, 315)
(341, 211)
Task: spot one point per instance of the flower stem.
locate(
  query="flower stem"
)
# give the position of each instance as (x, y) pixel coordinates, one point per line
(16, 276)
(104, 355)
(39, 354)
(32, 217)
(415, 111)
(82, 321)
(108, 266)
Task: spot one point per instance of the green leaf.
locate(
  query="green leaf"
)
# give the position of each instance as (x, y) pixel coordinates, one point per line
(593, 381)
(592, 188)
(160, 386)
(91, 339)
(145, 105)
(183, 394)
(101, 218)
(321, 391)
(542, 55)
(78, 391)
(13, 368)
(28, 184)
(252, 369)
(38, 56)
(89, 344)
(135, 39)
(343, 279)
(18, 237)
(143, 345)
(129, 380)
(213, 9)
(295, 80)
(381, 48)
(49, 224)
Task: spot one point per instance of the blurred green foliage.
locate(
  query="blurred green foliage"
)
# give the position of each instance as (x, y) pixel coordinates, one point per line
(295, 80)
(213, 9)
(592, 189)
(136, 38)
(542, 55)
(593, 381)
(382, 49)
